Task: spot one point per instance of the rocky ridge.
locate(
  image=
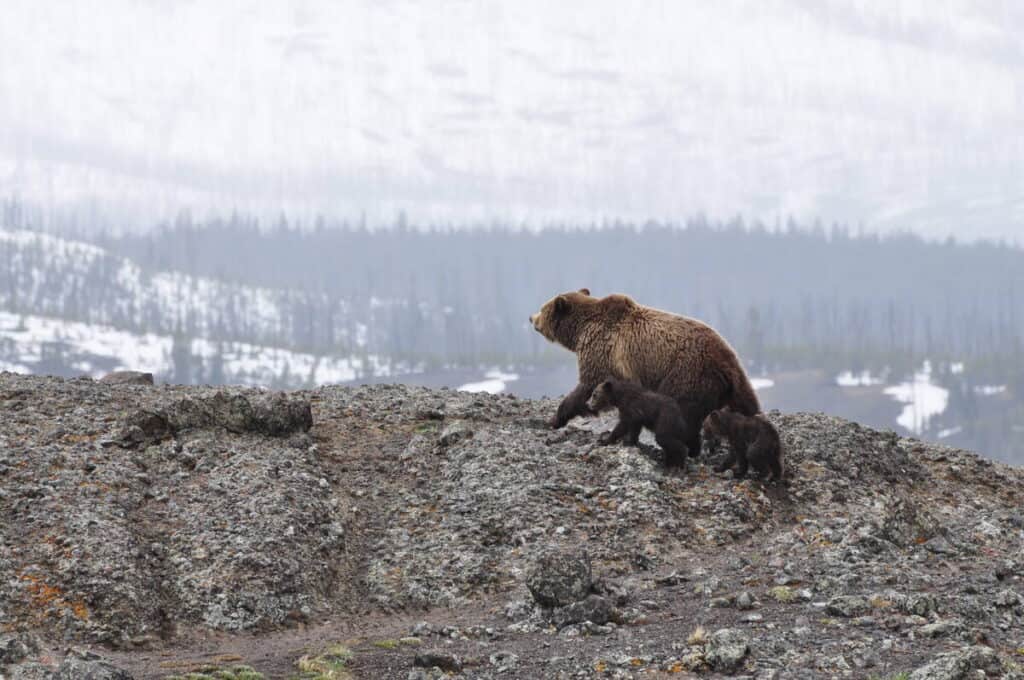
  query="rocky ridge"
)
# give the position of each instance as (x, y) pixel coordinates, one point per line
(446, 532)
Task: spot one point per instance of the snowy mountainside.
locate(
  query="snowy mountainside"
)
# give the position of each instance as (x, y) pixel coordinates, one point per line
(69, 308)
(55, 277)
(38, 344)
(80, 281)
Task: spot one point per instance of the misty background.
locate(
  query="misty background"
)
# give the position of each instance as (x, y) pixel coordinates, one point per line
(308, 194)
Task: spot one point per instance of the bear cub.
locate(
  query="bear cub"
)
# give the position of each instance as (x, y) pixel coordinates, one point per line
(752, 440)
(640, 408)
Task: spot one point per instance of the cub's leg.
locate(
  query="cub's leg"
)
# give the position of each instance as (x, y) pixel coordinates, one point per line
(765, 456)
(632, 437)
(741, 462)
(620, 430)
(729, 461)
(674, 448)
(693, 420)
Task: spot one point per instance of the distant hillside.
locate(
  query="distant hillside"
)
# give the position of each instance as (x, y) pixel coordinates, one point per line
(230, 302)
(787, 296)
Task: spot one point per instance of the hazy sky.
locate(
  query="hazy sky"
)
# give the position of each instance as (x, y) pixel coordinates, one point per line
(891, 114)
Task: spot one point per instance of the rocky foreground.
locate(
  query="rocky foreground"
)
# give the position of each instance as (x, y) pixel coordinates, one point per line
(401, 532)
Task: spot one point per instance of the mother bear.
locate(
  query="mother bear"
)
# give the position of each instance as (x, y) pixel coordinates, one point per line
(677, 356)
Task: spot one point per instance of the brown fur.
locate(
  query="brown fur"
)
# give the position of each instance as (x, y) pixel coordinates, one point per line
(752, 439)
(640, 408)
(614, 337)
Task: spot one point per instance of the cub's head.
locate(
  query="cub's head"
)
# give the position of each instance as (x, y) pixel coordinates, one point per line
(722, 421)
(559, 319)
(602, 398)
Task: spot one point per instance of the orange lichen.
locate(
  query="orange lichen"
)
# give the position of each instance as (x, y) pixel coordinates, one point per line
(50, 600)
(43, 595)
(79, 609)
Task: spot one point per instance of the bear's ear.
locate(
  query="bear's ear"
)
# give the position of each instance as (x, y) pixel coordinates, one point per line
(561, 304)
(607, 386)
(585, 291)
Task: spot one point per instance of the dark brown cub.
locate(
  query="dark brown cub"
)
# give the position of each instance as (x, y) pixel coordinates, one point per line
(752, 439)
(640, 408)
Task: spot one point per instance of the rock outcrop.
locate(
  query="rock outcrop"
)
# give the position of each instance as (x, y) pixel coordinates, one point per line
(136, 516)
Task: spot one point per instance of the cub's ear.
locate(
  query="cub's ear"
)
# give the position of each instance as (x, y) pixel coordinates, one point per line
(561, 305)
(607, 386)
(585, 291)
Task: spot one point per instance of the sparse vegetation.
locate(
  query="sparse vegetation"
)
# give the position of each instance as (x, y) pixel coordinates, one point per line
(782, 594)
(330, 664)
(698, 637)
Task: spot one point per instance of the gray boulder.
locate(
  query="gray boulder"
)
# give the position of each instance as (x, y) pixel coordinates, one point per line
(957, 665)
(594, 608)
(848, 606)
(558, 579)
(726, 649)
(84, 665)
(16, 648)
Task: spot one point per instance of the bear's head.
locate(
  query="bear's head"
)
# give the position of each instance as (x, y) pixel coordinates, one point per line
(602, 398)
(559, 319)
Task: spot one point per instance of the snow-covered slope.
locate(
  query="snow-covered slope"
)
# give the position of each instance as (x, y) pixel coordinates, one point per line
(56, 277)
(895, 113)
(37, 344)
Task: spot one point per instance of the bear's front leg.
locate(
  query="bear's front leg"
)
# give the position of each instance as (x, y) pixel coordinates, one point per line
(574, 404)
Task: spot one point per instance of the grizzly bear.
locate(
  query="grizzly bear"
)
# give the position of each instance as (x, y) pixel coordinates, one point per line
(640, 408)
(614, 337)
(752, 439)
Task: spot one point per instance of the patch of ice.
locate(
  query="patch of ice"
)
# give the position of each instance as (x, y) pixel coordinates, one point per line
(762, 383)
(922, 399)
(989, 390)
(495, 382)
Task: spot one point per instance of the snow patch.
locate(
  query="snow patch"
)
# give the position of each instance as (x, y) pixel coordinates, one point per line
(762, 383)
(95, 350)
(862, 379)
(989, 390)
(495, 382)
(922, 399)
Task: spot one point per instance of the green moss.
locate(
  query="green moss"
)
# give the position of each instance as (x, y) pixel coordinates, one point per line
(782, 594)
(386, 644)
